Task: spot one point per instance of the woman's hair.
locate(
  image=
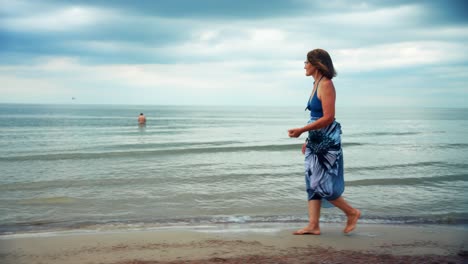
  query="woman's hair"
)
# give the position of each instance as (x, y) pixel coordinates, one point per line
(320, 59)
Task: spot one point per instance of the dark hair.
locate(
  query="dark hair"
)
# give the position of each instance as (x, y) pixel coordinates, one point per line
(320, 59)
(141, 113)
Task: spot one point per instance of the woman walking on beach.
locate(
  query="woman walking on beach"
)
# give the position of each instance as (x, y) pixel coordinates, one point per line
(323, 153)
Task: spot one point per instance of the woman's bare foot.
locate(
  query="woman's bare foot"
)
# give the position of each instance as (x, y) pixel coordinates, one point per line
(307, 231)
(352, 221)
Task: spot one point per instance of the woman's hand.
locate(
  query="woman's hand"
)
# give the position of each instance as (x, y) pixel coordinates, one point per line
(304, 148)
(295, 132)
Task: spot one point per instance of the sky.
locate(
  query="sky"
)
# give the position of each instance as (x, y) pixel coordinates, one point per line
(233, 53)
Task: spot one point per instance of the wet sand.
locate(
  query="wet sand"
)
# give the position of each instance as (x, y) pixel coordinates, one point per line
(242, 243)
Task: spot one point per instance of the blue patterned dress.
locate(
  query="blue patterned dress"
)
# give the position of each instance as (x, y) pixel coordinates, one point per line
(323, 158)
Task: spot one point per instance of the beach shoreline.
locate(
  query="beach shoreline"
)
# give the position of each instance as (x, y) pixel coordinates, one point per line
(241, 243)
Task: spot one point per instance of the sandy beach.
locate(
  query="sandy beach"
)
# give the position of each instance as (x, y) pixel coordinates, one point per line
(242, 243)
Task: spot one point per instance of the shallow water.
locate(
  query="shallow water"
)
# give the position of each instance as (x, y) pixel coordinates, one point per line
(75, 166)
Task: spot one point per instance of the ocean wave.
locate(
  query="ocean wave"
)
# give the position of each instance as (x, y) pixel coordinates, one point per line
(169, 151)
(48, 200)
(38, 228)
(452, 146)
(66, 184)
(143, 181)
(171, 145)
(404, 165)
(409, 181)
(370, 134)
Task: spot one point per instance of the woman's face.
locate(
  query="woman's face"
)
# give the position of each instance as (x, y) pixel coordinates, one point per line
(309, 69)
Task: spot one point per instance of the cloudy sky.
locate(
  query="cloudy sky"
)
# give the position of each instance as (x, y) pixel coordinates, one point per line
(243, 52)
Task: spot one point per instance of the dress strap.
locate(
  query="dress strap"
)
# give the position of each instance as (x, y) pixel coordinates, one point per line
(314, 91)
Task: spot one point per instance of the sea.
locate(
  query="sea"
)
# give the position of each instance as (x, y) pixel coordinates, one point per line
(93, 167)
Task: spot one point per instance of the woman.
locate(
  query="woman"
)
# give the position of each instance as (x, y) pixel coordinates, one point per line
(323, 153)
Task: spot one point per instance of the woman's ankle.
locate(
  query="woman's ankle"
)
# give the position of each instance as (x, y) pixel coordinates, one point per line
(313, 225)
(352, 212)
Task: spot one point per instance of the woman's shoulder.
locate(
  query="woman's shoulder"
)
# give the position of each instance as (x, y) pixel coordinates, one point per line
(326, 87)
(326, 84)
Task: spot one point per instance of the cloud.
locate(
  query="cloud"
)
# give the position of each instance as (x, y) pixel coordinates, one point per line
(202, 9)
(401, 55)
(217, 52)
(380, 17)
(238, 44)
(203, 83)
(66, 19)
(36, 89)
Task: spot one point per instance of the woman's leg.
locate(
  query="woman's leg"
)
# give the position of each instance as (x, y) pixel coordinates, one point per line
(353, 214)
(313, 227)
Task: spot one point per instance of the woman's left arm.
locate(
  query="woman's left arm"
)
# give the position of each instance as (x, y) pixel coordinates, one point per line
(327, 96)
